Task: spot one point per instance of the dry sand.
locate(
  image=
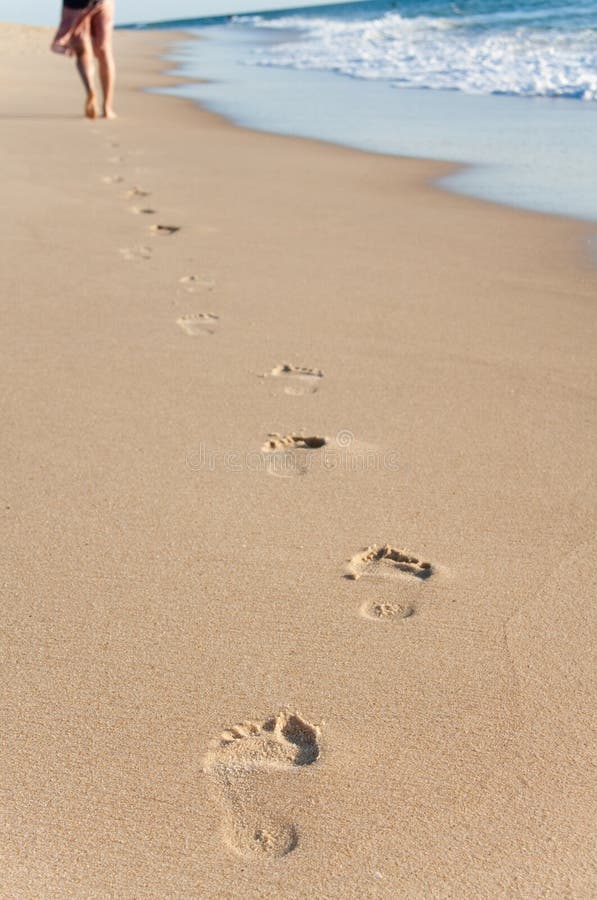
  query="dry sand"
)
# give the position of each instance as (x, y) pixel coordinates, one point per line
(419, 730)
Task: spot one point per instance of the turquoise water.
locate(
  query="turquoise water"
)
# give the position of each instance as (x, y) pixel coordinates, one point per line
(509, 88)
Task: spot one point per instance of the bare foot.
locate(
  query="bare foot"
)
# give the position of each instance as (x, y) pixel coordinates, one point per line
(110, 114)
(91, 107)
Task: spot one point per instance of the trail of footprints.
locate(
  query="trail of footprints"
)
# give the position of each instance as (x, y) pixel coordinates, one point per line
(248, 762)
(139, 252)
(193, 324)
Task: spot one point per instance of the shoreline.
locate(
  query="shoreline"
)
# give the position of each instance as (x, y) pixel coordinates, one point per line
(416, 729)
(440, 169)
(233, 86)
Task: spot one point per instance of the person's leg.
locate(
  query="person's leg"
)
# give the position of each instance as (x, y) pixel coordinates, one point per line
(84, 58)
(102, 24)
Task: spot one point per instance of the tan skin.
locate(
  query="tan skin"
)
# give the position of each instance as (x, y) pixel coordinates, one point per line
(101, 46)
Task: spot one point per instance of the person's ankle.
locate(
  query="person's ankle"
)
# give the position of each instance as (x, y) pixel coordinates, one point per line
(91, 105)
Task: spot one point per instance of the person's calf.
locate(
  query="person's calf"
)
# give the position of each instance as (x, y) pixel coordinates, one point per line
(106, 70)
(85, 69)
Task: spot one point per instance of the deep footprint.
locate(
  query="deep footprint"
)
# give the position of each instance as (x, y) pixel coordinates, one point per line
(384, 560)
(164, 230)
(278, 442)
(199, 323)
(298, 380)
(241, 764)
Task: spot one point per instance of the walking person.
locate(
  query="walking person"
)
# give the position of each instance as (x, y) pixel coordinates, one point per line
(85, 31)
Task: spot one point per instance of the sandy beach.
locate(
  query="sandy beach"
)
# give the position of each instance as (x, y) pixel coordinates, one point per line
(297, 513)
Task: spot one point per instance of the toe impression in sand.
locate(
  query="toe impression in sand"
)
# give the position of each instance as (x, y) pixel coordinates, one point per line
(285, 442)
(164, 230)
(376, 560)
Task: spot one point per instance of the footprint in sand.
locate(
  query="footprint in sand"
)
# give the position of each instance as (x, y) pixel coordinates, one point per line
(198, 323)
(112, 179)
(136, 191)
(136, 254)
(164, 230)
(195, 283)
(247, 765)
(278, 442)
(142, 211)
(290, 454)
(298, 380)
(386, 560)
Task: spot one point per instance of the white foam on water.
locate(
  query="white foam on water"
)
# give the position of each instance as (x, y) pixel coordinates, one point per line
(439, 53)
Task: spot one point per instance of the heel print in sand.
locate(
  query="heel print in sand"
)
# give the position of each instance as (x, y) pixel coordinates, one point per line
(246, 764)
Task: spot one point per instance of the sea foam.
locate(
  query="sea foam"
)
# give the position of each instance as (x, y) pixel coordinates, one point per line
(527, 54)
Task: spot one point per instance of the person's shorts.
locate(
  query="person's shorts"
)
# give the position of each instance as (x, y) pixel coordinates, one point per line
(78, 30)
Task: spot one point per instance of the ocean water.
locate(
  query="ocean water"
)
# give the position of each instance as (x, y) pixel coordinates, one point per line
(539, 48)
(510, 88)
